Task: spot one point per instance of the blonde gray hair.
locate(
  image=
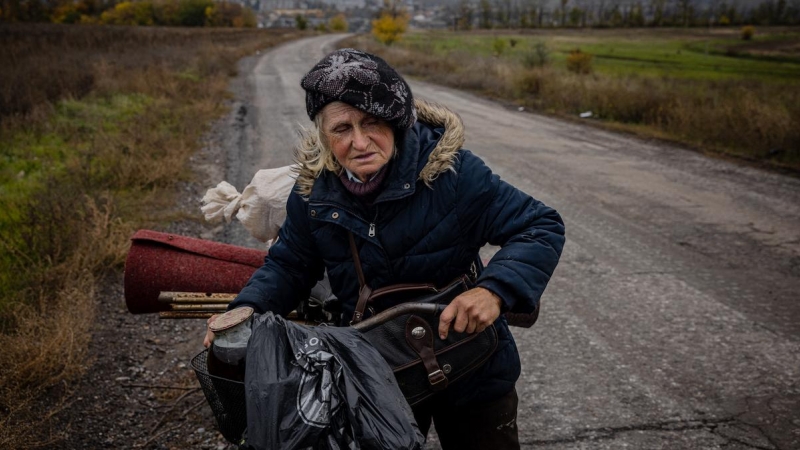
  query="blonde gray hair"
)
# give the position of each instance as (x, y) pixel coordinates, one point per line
(318, 155)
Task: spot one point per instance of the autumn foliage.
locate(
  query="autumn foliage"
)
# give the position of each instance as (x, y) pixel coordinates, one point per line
(389, 28)
(338, 23)
(747, 32)
(129, 13)
(191, 13)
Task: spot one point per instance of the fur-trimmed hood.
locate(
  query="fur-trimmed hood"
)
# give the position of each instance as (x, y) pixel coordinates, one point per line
(441, 159)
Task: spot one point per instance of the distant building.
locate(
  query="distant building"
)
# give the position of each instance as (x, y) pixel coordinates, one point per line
(287, 18)
(272, 5)
(359, 13)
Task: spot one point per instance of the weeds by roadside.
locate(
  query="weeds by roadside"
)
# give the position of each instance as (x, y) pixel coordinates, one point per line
(96, 125)
(752, 119)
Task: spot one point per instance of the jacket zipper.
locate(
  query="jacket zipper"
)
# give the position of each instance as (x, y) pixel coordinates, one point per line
(372, 225)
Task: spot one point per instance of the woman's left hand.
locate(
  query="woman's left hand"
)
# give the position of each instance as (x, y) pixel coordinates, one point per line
(470, 312)
(209, 334)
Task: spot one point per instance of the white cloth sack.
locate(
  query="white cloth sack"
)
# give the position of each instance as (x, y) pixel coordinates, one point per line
(261, 207)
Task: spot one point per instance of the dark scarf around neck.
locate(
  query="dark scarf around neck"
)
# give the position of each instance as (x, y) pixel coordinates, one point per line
(368, 191)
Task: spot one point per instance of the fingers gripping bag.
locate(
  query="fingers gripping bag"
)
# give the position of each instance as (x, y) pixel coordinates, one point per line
(322, 388)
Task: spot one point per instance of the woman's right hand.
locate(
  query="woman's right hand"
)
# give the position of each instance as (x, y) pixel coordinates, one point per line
(209, 334)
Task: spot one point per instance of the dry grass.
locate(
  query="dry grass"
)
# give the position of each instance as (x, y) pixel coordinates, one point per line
(51, 336)
(103, 121)
(749, 119)
(43, 63)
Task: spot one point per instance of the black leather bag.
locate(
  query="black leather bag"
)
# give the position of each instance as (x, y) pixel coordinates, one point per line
(406, 335)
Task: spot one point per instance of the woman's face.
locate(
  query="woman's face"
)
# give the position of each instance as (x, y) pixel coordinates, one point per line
(360, 142)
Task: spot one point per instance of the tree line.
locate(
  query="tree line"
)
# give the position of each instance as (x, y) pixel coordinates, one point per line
(488, 14)
(189, 13)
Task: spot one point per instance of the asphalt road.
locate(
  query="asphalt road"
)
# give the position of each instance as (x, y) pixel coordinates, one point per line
(672, 319)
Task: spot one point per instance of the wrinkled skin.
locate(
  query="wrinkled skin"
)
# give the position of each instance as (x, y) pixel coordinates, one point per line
(360, 142)
(470, 312)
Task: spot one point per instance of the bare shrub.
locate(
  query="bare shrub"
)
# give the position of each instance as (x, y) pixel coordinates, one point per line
(530, 82)
(747, 32)
(579, 62)
(536, 57)
(499, 46)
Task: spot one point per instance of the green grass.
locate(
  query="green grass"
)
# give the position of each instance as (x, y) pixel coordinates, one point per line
(687, 55)
(32, 158)
(26, 154)
(29, 157)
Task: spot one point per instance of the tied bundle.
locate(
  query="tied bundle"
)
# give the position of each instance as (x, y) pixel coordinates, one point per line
(261, 206)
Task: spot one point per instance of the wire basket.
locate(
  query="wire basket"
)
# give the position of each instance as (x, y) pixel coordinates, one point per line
(226, 398)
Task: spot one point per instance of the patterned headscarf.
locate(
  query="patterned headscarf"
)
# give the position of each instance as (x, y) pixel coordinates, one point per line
(363, 81)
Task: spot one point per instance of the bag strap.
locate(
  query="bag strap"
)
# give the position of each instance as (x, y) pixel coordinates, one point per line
(404, 287)
(357, 260)
(364, 291)
(420, 337)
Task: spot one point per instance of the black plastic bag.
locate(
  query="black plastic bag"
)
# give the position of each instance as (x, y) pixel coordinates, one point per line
(322, 388)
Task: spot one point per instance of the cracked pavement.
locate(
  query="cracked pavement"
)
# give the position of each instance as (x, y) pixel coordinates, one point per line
(672, 320)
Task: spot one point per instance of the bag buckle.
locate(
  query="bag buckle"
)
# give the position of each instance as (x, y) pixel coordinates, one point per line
(473, 272)
(436, 378)
(356, 318)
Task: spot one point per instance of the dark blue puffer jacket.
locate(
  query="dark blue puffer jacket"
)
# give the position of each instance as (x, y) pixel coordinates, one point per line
(415, 233)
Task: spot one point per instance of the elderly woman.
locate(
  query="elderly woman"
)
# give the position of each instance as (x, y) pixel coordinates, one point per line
(391, 171)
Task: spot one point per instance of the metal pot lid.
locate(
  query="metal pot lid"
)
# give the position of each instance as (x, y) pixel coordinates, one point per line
(230, 319)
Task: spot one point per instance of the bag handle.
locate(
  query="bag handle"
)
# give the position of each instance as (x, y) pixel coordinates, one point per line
(364, 291)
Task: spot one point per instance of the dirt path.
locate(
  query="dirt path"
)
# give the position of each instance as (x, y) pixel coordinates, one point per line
(672, 321)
